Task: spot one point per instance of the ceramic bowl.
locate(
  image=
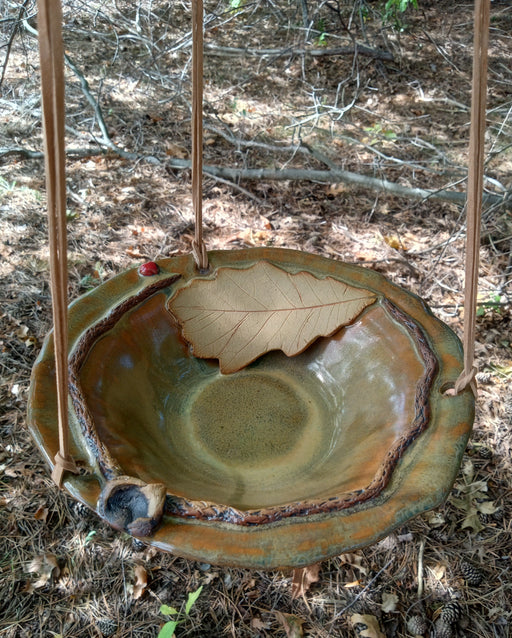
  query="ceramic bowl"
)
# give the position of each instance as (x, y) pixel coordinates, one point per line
(284, 463)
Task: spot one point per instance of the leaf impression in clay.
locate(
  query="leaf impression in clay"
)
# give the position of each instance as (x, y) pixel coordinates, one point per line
(242, 314)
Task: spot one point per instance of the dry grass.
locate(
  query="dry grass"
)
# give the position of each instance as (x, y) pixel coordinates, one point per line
(123, 211)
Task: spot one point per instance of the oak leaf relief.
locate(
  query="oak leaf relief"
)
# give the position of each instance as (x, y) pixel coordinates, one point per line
(242, 314)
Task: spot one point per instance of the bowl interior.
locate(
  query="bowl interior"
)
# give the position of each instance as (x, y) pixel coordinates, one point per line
(281, 430)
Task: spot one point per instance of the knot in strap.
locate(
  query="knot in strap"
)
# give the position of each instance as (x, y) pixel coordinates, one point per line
(465, 379)
(62, 465)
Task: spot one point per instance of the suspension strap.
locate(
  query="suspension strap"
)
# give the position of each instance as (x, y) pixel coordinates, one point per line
(198, 245)
(52, 87)
(474, 192)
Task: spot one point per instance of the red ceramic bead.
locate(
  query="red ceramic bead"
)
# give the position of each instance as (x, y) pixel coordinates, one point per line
(149, 268)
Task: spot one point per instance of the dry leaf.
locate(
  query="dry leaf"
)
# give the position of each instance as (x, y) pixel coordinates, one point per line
(472, 521)
(405, 538)
(176, 150)
(435, 519)
(242, 314)
(210, 577)
(251, 237)
(46, 566)
(291, 624)
(395, 242)
(438, 572)
(389, 602)
(372, 625)
(15, 471)
(41, 514)
(141, 581)
(354, 560)
(337, 189)
(468, 470)
(303, 578)
(22, 332)
(133, 251)
(486, 507)
(474, 499)
(257, 624)
(28, 588)
(23, 335)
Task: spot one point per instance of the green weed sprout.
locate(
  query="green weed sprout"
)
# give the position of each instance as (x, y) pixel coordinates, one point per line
(169, 627)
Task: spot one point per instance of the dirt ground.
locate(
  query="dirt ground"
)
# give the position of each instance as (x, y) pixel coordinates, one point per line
(398, 110)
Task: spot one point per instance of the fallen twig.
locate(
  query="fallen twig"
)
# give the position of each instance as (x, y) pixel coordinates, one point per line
(106, 139)
(10, 41)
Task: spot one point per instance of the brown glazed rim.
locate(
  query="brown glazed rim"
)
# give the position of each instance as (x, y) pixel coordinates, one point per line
(178, 506)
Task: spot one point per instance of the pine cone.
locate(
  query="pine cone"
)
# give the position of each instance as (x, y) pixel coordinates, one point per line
(497, 516)
(107, 627)
(484, 452)
(451, 612)
(472, 575)
(442, 629)
(492, 519)
(417, 625)
(484, 377)
(138, 545)
(438, 535)
(80, 509)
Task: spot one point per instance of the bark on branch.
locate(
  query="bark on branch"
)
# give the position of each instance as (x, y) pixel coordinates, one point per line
(357, 49)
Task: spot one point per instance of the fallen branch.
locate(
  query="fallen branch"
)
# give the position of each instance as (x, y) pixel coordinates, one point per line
(356, 49)
(234, 175)
(27, 153)
(334, 176)
(306, 149)
(106, 139)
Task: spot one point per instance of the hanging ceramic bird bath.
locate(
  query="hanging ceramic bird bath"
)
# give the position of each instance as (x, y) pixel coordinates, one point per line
(258, 408)
(278, 460)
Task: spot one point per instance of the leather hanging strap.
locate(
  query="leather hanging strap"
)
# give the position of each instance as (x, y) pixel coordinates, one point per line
(198, 245)
(52, 87)
(474, 192)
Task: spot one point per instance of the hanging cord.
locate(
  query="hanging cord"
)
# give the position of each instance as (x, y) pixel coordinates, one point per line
(474, 193)
(198, 245)
(52, 89)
